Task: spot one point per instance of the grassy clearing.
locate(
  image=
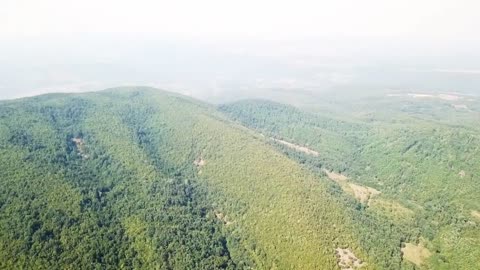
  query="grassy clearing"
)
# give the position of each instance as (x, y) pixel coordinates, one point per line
(363, 193)
(415, 254)
(391, 208)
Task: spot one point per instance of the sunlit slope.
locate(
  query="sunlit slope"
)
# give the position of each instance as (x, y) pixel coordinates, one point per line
(405, 153)
(426, 170)
(283, 215)
(144, 179)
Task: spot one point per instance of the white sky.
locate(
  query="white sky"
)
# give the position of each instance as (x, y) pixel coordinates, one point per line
(447, 19)
(77, 45)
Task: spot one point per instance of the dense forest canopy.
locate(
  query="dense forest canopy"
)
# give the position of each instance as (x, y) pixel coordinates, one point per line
(419, 153)
(138, 178)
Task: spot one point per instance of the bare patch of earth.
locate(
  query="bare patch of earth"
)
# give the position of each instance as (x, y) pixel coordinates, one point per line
(347, 260)
(80, 144)
(220, 216)
(337, 177)
(199, 162)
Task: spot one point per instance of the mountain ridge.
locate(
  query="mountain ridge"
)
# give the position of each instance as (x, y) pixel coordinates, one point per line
(149, 136)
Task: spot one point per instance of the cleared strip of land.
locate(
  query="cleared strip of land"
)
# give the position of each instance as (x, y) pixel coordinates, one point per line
(361, 193)
(298, 148)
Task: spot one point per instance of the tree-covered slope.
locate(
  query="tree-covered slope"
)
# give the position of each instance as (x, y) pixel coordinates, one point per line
(137, 178)
(422, 157)
(96, 204)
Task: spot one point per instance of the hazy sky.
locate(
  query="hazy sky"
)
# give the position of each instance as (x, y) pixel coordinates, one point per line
(249, 18)
(207, 47)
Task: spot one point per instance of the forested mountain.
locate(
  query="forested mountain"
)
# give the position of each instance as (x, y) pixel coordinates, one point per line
(138, 178)
(416, 157)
